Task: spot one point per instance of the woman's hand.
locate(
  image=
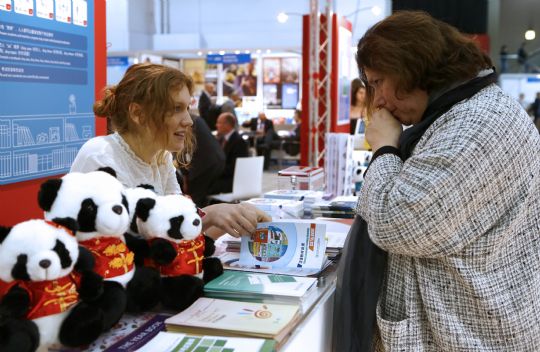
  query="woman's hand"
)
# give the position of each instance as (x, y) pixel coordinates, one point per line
(383, 129)
(234, 219)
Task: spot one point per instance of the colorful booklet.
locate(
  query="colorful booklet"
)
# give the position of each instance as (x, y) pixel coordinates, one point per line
(259, 287)
(170, 341)
(219, 317)
(283, 247)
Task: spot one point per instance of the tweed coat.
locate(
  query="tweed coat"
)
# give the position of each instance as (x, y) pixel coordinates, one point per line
(460, 220)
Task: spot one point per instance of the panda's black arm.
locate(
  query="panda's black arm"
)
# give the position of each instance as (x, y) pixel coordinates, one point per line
(14, 304)
(139, 246)
(91, 286)
(85, 261)
(162, 251)
(209, 246)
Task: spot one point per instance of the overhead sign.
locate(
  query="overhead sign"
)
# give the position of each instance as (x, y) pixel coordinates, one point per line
(117, 61)
(47, 80)
(228, 59)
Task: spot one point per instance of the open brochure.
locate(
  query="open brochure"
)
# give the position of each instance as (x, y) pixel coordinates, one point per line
(282, 247)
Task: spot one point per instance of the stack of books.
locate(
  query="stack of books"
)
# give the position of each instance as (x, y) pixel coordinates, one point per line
(339, 207)
(208, 316)
(279, 208)
(308, 197)
(260, 287)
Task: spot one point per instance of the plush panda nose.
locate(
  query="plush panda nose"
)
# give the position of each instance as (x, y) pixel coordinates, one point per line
(117, 209)
(45, 263)
(196, 222)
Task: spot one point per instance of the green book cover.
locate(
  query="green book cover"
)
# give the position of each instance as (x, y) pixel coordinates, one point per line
(177, 342)
(244, 282)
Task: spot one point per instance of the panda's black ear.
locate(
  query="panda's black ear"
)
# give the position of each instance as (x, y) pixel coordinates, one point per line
(147, 186)
(108, 170)
(68, 223)
(48, 192)
(144, 205)
(4, 231)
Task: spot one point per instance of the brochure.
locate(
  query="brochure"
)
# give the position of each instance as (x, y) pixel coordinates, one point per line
(285, 247)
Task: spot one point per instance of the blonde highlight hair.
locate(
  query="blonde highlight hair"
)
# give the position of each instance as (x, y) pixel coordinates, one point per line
(150, 86)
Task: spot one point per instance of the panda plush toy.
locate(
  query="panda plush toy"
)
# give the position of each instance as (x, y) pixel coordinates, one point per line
(43, 300)
(176, 247)
(96, 203)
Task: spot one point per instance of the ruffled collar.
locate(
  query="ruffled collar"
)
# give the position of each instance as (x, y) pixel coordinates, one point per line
(125, 146)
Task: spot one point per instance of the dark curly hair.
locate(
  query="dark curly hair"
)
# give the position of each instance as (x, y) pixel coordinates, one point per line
(418, 51)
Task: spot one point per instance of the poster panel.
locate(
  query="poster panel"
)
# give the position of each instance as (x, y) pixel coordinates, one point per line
(47, 80)
(195, 68)
(272, 70)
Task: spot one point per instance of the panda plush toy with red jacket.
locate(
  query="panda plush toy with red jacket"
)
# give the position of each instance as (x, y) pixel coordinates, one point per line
(176, 247)
(46, 289)
(96, 202)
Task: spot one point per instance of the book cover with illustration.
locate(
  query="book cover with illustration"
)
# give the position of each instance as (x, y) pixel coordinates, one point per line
(284, 244)
(208, 316)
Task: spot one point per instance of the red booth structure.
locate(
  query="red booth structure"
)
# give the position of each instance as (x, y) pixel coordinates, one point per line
(325, 89)
(19, 200)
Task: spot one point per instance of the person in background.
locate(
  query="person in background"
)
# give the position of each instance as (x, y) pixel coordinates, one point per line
(523, 57)
(522, 102)
(358, 107)
(208, 109)
(291, 143)
(503, 57)
(534, 110)
(233, 146)
(149, 112)
(263, 128)
(452, 200)
(207, 164)
(205, 100)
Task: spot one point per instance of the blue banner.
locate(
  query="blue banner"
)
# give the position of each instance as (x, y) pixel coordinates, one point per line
(47, 79)
(228, 59)
(117, 61)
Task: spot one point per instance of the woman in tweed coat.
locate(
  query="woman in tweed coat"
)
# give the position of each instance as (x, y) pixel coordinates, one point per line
(457, 209)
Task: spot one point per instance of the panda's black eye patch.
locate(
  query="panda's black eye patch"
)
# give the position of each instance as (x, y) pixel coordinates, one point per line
(19, 271)
(63, 254)
(174, 231)
(87, 216)
(125, 203)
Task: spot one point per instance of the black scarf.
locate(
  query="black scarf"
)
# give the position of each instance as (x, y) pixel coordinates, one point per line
(363, 264)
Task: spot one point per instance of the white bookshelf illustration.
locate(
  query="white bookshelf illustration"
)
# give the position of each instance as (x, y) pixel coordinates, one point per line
(71, 134)
(5, 165)
(40, 146)
(23, 136)
(5, 134)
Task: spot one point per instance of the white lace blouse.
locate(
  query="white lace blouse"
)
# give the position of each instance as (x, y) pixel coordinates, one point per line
(113, 151)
